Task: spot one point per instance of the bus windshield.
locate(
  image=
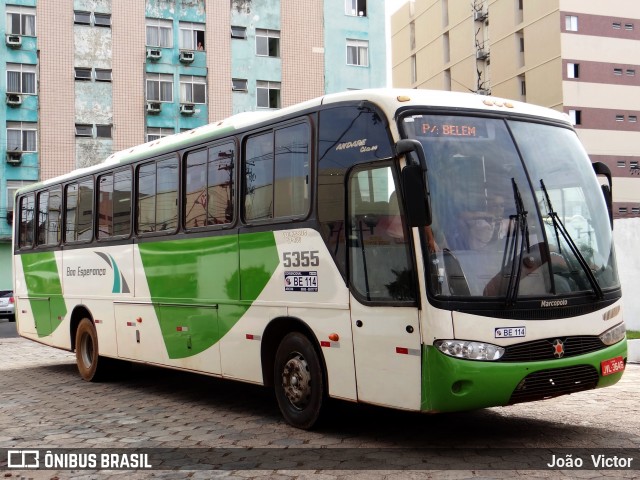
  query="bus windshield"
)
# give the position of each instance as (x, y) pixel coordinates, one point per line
(517, 211)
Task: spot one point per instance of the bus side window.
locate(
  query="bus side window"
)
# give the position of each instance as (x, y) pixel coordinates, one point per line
(43, 214)
(26, 229)
(79, 211)
(55, 215)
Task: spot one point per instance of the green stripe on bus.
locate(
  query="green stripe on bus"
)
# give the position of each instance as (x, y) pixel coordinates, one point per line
(44, 290)
(201, 287)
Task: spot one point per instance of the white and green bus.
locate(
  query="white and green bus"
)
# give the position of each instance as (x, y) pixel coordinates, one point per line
(420, 250)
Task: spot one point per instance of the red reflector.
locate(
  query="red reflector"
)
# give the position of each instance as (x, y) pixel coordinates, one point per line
(325, 344)
(402, 350)
(249, 336)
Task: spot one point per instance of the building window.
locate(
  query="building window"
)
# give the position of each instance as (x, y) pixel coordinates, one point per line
(193, 89)
(22, 137)
(622, 210)
(154, 134)
(633, 118)
(82, 73)
(103, 131)
(631, 72)
(412, 36)
(191, 36)
(238, 32)
(628, 26)
(159, 87)
(571, 23)
(358, 52)
(635, 210)
(103, 75)
(21, 21)
(576, 116)
(82, 18)
(355, 8)
(617, 71)
(619, 118)
(239, 85)
(267, 43)
(159, 33)
(622, 164)
(414, 70)
(102, 19)
(268, 94)
(84, 130)
(573, 70)
(523, 87)
(617, 25)
(21, 78)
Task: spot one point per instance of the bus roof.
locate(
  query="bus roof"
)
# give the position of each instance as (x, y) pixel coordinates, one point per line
(389, 100)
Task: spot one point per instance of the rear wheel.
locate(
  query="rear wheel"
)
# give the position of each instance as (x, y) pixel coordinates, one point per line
(91, 366)
(299, 381)
(12, 318)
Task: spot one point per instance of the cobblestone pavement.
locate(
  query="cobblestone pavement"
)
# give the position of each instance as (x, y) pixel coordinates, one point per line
(45, 405)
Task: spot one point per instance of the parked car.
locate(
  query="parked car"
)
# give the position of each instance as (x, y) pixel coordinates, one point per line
(7, 305)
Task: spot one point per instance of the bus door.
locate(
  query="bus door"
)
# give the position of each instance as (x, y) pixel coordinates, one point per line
(384, 313)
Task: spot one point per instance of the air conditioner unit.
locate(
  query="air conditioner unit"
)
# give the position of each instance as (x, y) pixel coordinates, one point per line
(14, 157)
(154, 53)
(480, 15)
(482, 54)
(186, 56)
(154, 107)
(14, 41)
(13, 100)
(187, 108)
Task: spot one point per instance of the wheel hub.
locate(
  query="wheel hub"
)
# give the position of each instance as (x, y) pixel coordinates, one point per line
(296, 381)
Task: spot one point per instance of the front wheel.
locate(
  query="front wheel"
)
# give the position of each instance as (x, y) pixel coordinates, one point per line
(299, 381)
(91, 366)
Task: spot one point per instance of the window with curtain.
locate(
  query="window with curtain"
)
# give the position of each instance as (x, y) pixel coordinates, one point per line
(193, 89)
(159, 33)
(21, 20)
(21, 78)
(192, 36)
(358, 52)
(159, 87)
(22, 137)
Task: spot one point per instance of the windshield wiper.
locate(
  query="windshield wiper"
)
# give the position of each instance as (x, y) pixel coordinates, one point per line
(559, 227)
(517, 245)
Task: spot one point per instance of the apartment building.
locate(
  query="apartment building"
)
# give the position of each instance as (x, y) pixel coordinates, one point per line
(85, 78)
(574, 56)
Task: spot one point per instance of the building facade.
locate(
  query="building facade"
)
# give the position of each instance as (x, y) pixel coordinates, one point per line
(85, 78)
(574, 56)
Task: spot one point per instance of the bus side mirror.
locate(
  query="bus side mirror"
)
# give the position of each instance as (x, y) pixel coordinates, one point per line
(607, 190)
(416, 199)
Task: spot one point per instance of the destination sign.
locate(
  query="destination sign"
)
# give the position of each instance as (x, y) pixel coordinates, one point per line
(434, 126)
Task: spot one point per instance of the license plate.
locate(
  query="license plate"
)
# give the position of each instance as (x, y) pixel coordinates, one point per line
(301, 281)
(611, 366)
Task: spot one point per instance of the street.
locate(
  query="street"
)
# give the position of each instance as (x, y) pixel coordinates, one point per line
(238, 428)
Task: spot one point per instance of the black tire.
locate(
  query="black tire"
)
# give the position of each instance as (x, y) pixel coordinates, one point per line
(12, 318)
(91, 366)
(299, 381)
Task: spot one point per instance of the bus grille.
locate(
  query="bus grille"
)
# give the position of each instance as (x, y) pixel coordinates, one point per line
(554, 382)
(545, 350)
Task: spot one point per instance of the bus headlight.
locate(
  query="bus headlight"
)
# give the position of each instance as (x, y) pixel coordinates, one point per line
(469, 350)
(614, 335)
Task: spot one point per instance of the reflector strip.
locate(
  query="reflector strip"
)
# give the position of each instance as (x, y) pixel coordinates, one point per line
(408, 351)
(324, 343)
(97, 321)
(131, 324)
(182, 329)
(251, 336)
